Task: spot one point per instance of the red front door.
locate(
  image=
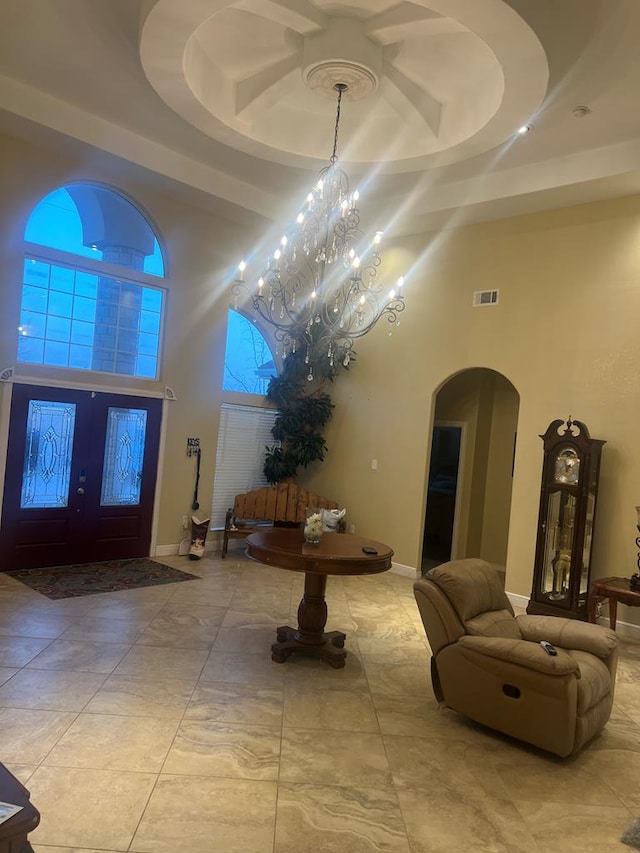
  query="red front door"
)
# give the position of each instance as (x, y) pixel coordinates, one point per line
(80, 477)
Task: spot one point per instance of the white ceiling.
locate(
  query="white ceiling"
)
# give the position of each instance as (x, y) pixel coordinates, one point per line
(231, 103)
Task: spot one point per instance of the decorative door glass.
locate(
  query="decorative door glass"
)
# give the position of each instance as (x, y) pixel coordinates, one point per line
(123, 456)
(47, 455)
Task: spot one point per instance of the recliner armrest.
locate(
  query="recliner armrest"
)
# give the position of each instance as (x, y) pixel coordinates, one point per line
(522, 653)
(569, 634)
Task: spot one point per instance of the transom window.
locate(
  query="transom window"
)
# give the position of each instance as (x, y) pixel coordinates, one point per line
(76, 310)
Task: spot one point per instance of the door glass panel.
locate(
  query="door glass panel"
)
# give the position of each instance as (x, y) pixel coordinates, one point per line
(47, 455)
(123, 456)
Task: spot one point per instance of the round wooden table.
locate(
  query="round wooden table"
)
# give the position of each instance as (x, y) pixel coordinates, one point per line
(335, 554)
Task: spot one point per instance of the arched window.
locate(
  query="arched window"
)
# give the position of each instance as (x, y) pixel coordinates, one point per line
(248, 360)
(88, 297)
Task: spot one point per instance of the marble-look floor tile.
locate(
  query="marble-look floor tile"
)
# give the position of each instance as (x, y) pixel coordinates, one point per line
(239, 751)
(7, 672)
(432, 779)
(118, 606)
(253, 620)
(338, 820)
(546, 779)
(136, 696)
(250, 641)
(446, 763)
(80, 656)
(320, 707)
(382, 651)
(236, 703)
(619, 768)
(29, 734)
(580, 829)
(184, 626)
(53, 689)
(102, 742)
(187, 813)
(407, 677)
(18, 651)
(393, 631)
(30, 622)
(215, 592)
(262, 600)
(101, 630)
(242, 669)
(93, 809)
(167, 662)
(351, 759)
(442, 820)
(412, 716)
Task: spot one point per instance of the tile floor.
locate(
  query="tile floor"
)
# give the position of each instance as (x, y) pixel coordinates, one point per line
(154, 720)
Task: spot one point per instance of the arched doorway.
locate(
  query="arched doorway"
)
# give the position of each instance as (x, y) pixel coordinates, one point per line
(471, 468)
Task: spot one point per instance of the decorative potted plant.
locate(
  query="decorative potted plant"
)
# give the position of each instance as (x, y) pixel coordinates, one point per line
(304, 409)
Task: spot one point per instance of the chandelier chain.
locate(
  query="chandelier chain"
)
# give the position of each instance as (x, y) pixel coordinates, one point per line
(340, 88)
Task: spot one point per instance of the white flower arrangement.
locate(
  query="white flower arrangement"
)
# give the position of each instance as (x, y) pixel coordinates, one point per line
(313, 527)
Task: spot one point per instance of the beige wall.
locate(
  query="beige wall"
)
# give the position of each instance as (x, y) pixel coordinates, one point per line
(564, 334)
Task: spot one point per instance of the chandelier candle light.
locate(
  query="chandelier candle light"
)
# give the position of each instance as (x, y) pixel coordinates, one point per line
(320, 288)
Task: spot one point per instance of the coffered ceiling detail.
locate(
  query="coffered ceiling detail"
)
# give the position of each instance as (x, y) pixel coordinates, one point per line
(231, 104)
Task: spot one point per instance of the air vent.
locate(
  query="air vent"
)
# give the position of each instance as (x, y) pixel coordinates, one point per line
(485, 297)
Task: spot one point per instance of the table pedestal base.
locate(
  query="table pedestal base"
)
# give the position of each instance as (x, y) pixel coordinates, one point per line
(310, 637)
(330, 649)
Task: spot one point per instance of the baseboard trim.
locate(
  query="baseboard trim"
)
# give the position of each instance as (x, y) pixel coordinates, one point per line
(517, 600)
(172, 550)
(406, 571)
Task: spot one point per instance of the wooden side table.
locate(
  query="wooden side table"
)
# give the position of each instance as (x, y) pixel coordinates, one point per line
(615, 589)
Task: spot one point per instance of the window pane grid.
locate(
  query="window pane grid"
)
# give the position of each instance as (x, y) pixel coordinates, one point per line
(73, 319)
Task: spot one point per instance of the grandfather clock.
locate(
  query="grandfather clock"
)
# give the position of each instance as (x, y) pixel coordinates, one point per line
(570, 473)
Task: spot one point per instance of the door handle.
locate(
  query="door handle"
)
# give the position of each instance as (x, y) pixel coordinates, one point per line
(80, 491)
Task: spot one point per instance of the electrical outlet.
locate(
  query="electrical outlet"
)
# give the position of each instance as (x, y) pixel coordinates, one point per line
(185, 522)
(352, 528)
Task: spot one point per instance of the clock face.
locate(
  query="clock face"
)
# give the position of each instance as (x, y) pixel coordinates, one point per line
(566, 466)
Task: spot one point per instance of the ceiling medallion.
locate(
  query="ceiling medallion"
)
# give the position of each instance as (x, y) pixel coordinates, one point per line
(322, 78)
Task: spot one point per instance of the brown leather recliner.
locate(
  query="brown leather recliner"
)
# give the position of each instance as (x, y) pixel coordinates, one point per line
(488, 664)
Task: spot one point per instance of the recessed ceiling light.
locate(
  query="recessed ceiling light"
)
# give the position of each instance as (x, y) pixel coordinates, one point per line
(524, 129)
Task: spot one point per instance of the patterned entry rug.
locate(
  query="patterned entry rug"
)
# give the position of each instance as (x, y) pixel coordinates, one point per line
(89, 578)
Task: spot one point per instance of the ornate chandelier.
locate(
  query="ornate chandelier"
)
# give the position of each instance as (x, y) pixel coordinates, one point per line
(320, 289)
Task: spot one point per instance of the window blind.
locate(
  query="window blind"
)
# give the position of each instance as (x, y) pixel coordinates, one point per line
(243, 434)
